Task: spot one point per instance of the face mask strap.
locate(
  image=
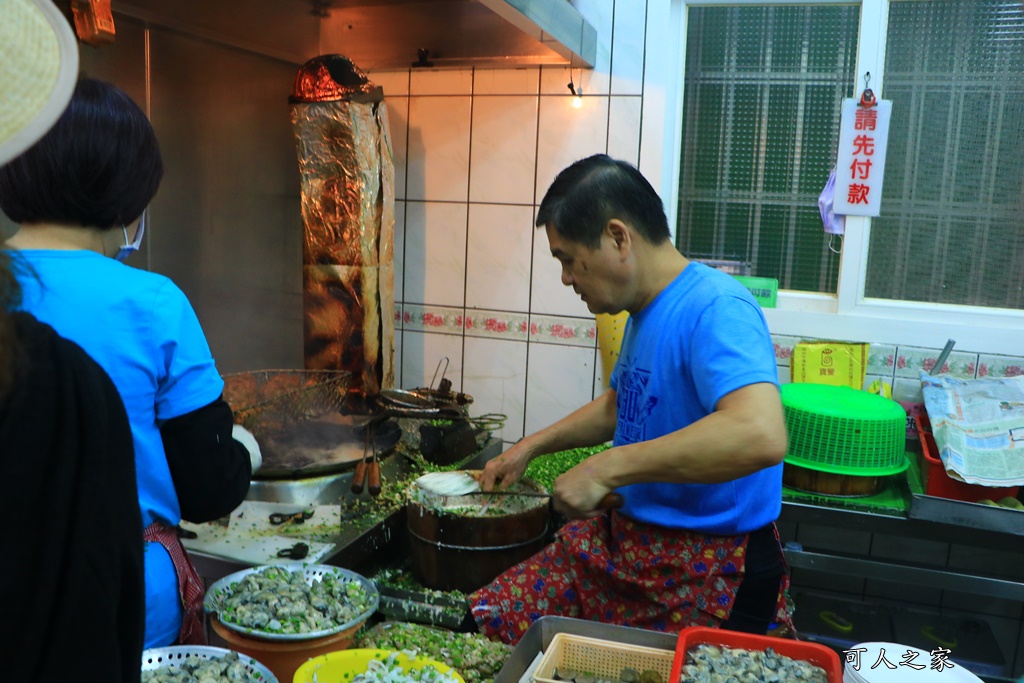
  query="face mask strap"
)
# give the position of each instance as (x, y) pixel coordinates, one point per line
(129, 248)
(139, 231)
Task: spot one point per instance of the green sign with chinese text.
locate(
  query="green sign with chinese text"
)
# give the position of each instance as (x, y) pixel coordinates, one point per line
(764, 289)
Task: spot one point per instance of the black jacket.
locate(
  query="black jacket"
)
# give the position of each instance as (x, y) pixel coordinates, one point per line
(71, 566)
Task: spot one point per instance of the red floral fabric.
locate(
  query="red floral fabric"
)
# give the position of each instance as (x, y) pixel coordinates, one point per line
(616, 570)
(190, 586)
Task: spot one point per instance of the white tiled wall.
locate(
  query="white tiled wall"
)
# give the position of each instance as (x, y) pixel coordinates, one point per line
(500, 250)
(474, 152)
(504, 154)
(435, 253)
(560, 379)
(496, 369)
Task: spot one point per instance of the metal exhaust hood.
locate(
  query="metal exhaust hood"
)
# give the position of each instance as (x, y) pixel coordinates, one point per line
(399, 34)
(385, 34)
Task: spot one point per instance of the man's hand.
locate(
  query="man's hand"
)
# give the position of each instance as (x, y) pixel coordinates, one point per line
(580, 491)
(506, 469)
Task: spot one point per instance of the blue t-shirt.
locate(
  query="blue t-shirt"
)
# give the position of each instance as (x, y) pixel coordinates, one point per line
(142, 330)
(701, 338)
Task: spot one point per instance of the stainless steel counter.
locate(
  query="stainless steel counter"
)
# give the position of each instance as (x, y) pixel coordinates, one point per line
(361, 537)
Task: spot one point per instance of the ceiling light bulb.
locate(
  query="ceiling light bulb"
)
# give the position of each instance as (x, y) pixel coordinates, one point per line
(577, 102)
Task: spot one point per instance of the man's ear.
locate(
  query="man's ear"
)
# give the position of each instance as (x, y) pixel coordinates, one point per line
(620, 235)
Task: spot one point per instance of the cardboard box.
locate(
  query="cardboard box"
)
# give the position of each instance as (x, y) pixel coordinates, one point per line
(829, 362)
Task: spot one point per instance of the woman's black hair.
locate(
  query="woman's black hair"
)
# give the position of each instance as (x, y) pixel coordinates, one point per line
(592, 191)
(98, 167)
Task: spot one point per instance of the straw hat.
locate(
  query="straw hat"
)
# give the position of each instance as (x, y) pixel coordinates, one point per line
(38, 70)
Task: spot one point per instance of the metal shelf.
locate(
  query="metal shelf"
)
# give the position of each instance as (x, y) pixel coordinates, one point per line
(941, 530)
(918, 575)
(931, 519)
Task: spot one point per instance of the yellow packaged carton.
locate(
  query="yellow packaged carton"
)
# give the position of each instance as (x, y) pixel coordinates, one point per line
(829, 362)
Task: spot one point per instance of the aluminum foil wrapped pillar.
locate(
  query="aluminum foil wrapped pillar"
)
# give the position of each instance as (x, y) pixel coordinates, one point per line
(347, 173)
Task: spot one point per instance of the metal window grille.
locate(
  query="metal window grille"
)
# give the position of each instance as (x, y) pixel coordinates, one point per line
(952, 224)
(760, 122)
(763, 87)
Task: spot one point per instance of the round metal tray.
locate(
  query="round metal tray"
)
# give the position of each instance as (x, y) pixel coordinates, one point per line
(222, 590)
(172, 655)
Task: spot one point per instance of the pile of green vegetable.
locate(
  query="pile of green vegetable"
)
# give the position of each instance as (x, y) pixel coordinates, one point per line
(471, 654)
(546, 468)
(403, 579)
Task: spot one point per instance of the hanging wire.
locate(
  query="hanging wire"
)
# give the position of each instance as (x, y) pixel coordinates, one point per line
(576, 90)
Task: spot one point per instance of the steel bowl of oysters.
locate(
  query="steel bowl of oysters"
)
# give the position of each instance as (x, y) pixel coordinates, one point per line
(201, 664)
(292, 601)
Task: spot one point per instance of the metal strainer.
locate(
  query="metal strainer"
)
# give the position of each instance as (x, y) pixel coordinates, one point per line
(156, 658)
(268, 402)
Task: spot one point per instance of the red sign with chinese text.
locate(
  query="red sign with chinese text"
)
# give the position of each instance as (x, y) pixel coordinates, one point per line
(860, 169)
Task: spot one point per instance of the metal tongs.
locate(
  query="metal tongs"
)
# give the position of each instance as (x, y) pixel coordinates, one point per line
(464, 484)
(283, 518)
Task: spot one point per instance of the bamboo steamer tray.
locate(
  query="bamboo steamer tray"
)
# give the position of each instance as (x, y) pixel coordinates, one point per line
(832, 484)
(842, 441)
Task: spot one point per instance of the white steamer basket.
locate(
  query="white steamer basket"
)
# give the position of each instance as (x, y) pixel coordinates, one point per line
(157, 658)
(894, 652)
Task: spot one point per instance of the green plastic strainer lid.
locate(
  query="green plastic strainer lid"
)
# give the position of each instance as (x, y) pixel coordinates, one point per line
(843, 430)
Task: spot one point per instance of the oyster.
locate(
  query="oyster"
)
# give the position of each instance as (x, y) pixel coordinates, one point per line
(718, 664)
(277, 600)
(196, 669)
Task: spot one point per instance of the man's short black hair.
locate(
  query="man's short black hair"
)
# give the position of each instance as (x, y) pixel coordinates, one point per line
(592, 191)
(99, 166)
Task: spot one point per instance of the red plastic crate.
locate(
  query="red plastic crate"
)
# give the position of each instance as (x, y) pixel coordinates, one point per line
(816, 654)
(938, 483)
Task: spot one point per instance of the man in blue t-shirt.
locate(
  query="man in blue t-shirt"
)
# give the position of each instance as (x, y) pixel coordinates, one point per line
(697, 430)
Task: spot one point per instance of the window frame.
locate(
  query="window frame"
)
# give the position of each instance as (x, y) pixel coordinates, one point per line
(847, 314)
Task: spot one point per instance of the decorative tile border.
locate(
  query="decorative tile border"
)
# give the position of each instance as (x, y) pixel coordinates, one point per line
(882, 360)
(432, 319)
(783, 348)
(497, 324)
(990, 365)
(910, 361)
(566, 331)
(885, 361)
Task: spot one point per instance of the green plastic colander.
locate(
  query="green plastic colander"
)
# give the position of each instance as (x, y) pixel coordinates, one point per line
(843, 430)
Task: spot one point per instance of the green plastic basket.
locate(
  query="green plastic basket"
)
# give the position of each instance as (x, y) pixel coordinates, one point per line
(843, 430)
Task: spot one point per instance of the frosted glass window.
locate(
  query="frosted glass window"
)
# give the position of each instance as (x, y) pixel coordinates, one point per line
(763, 87)
(952, 223)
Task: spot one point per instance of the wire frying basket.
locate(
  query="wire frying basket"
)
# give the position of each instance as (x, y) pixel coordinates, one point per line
(268, 402)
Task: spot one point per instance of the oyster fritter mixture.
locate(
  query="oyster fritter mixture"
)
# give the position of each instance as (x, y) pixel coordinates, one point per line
(390, 672)
(476, 658)
(720, 664)
(196, 669)
(277, 600)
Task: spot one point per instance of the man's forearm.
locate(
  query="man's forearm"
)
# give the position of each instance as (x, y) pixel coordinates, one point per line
(746, 435)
